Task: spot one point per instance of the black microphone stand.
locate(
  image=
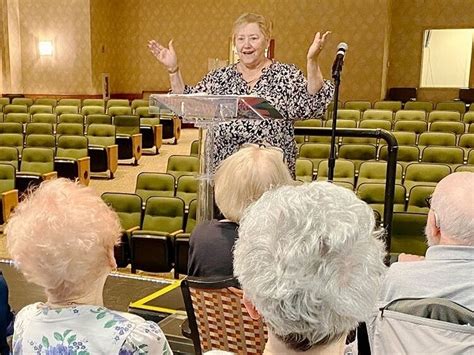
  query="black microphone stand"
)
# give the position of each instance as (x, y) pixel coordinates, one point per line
(336, 75)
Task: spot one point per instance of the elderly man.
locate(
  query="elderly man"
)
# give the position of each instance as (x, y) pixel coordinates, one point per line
(310, 264)
(448, 269)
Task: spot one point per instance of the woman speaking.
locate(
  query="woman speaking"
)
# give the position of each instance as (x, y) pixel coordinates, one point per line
(282, 85)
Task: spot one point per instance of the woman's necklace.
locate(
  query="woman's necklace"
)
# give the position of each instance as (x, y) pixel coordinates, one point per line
(253, 78)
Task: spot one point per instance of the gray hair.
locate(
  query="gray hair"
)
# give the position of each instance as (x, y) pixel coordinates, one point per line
(244, 176)
(453, 205)
(309, 260)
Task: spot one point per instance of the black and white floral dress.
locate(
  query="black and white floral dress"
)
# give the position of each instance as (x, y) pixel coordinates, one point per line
(283, 86)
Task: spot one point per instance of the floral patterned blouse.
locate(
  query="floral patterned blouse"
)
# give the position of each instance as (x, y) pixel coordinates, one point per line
(283, 86)
(84, 330)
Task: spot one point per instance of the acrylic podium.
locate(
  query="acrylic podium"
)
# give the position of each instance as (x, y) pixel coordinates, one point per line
(205, 112)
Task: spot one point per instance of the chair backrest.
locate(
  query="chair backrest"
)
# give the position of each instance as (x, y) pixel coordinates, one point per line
(119, 110)
(127, 206)
(39, 128)
(388, 105)
(187, 188)
(426, 106)
(458, 106)
(98, 118)
(411, 126)
(93, 102)
(11, 127)
(71, 118)
(374, 193)
(444, 116)
(348, 114)
(342, 123)
(468, 117)
(144, 112)
(405, 138)
(11, 108)
(358, 105)
(163, 214)
(449, 127)
(445, 155)
(426, 172)
(90, 110)
(218, 318)
(136, 103)
(376, 114)
(408, 233)
(12, 140)
(194, 147)
(377, 170)
(118, 103)
(46, 101)
(467, 140)
(127, 124)
(40, 109)
(154, 184)
(70, 129)
(417, 198)
(182, 165)
(37, 160)
(437, 138)
(304, 170)
(410, 115)
(382, 124)
(44, 118)
(22, 101)
(423, 326)
(342, 169)
(101, 134)
(40, 140)
(70, 102)
(7, 177)
(17, 117)
(192, 216)
(66, 109)
(9, 155)
(74, 147)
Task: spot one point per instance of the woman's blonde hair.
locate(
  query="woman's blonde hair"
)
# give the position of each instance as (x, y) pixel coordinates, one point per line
(244, 176)
(264, 25)
(62, 237)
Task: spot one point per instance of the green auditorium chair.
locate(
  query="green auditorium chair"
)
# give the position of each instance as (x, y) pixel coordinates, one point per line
(38, 128)
(8, 191)
(44, 118)
(22, 101)
(171, 125)
(347, 114)
(40, 109)
(181, 242)
(102, 148)
(9, 155)
(194, 148)
(179, 165)
(129, 211)
(471, 128)
(376, 172)
(15, 109)
(1, 115)
(152, 133)
(424, 174)
(407, 154)
(405, 138)
(71, 118)
(375, 114)
(342, 123)
(152, 245)
(358, 105)
(449, 127)
(117, 103)
(40, 141)
(373, 194)
(304, 170)
(92, 110)
(330, 109)
(311, 123)
(444, 155)
(143, 111)
(468, 117)
(66, 109)
(374, 124)
(437, 138)
(187, 189)
(136, 103)
(357, 153)
(72, 160)
(14, 140)
(119, 111)
(426, 106)
(46, 102)
(408, 233)
(393, 106)
(468, 168)
(344, 171)
(452, 116)
(360, 140)
(466, 142)
(128, 137)
(93, 102)
(151, 184)
(410, 115)
(457, 106)
(417, 198)
(37, 165)
(22, 118)
(70, 129)
(470, 157)
(98, 118)
(3, 102)
(70, 102)
(11, 127)
(315, 152)
(411, 126)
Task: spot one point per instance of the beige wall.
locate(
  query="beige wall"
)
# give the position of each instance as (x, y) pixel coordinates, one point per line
(409, 19)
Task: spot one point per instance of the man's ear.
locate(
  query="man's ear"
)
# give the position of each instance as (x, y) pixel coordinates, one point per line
(251, 308)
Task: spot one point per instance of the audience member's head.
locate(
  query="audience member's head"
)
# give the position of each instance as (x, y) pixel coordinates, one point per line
(245, 175)
(451, 216)
(62, 238)
(310, 262)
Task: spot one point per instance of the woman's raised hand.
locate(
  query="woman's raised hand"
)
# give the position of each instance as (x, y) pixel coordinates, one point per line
(317, 45)
(166, 56)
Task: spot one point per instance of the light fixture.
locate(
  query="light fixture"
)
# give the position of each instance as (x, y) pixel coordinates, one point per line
(45, 47)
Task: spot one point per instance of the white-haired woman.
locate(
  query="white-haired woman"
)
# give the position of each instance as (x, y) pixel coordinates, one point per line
(282, 85)
(62, 238)
(310, 264)
(240, 180)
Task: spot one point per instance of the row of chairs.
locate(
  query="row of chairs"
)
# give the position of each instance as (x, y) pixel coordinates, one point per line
(154, 239)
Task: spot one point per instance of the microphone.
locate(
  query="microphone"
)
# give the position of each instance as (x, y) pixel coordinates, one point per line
(339, 61)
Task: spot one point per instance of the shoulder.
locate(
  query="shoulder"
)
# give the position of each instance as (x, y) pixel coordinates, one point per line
(146, 336)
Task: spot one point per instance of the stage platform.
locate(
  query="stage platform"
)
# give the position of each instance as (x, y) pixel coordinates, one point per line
(156, 299)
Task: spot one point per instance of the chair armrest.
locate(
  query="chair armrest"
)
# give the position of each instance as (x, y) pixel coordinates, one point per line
(173, 234)
(9, 202)
(176, 127)
(158, 135)
(137, 146)
(129, 231)
(185, 330)
(84, 170)
(149, 233)
(112, 157)
(50, 176)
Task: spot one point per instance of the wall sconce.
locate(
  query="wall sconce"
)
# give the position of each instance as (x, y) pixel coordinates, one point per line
(45, 47)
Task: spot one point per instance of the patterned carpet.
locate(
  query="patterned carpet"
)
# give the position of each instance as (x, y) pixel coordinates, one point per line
(125, 176)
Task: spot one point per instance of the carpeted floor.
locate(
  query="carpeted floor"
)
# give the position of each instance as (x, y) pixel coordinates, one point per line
(125, 176)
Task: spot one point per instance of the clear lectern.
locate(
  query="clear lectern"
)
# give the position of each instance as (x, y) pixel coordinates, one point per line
(206, 111)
